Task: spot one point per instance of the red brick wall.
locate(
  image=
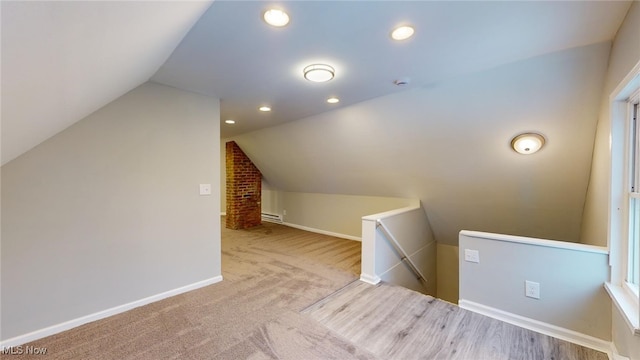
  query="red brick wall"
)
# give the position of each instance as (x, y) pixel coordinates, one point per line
(244, 189)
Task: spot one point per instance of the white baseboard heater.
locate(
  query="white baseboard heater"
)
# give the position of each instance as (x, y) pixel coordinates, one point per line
(272, 218)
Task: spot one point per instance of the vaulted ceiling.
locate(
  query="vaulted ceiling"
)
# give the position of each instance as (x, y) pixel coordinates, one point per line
(479, 71)
(63, 60)
(234, 55)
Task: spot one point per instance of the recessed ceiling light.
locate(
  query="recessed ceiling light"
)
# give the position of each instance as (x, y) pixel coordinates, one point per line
(527, 143)
(333, 100)
(276, 17)
(264, 108)
(318, 72)
(402, 33)
(230, 121)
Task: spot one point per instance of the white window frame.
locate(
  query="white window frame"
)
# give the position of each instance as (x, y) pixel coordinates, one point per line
(632, 164)
(625, 297)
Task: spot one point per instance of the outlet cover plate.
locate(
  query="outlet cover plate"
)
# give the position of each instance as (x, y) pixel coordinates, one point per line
(471, 255)
(532, 289)
(205, 189)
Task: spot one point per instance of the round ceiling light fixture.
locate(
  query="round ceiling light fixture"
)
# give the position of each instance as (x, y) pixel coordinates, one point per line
(319, 72)
(527, 143)
(264, 108)
(333, 100)
(276, 17)
(402, 33)
(231, 122)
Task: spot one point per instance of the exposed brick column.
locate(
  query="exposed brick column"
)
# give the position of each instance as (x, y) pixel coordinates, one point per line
(244, 189)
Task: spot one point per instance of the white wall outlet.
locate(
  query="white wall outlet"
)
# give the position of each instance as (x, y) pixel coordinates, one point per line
(205, 189)
(532, 289)
(471, 256)
(284, 212)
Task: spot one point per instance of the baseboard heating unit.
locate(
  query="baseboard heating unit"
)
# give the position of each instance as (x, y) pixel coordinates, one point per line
(272, 218)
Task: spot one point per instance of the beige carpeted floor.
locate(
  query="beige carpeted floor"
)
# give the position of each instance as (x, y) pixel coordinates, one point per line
(270, 273)
(290, 294)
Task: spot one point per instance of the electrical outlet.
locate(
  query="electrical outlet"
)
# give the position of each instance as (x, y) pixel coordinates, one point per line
(532, 289)
(471, 256)
(205, 189)
(284, 212)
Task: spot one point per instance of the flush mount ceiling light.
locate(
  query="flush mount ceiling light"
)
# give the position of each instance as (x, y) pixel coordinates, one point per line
(264, 108)
(276, 17)
(333, 100)
(318, 72)
(230, 121)
(402, 33)
(527, 143)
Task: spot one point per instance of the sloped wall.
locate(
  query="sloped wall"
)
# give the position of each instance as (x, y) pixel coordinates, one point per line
(625, 54)
(448, 145)
(107, 212)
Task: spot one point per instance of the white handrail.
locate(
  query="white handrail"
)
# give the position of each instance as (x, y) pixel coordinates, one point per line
(403, 255)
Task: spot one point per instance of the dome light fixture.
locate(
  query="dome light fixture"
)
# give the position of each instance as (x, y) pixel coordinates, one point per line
(402, 33)
(527, 143)
(319, 72)
(276, 17)
(333, 100)
(230, 122)
(264, 108)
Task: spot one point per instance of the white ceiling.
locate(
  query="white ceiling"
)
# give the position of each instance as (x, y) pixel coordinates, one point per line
(61, 61)
(481, 72)
(234, 55)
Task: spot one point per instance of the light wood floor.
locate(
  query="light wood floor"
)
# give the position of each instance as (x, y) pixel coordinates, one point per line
(290, 294)
(396, 323)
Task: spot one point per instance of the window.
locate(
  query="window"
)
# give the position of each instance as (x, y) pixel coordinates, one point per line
(624, 206)
(633, 191)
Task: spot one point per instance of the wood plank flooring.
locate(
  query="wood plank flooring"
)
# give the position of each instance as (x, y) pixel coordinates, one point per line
(290, 294)
(396, 323)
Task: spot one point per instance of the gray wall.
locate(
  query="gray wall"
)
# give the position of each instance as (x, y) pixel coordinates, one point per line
(572, 295)
(107, 212)
(413, 233)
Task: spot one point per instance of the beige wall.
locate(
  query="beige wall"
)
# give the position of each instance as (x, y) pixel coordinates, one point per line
(340, 214)
(223, 177)
(447, 272)
(415, 144)
(108, 212)
(271, 199)
(625, 54)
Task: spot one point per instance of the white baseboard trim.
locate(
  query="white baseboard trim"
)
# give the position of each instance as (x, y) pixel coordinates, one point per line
(370, 279)
(539, 326)
(323, 232)
(54, 329)
(615, 355)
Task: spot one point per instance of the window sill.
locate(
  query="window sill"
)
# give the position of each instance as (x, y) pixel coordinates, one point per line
(628, 305)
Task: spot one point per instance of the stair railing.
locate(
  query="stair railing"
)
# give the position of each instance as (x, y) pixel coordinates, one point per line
(403, 255)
